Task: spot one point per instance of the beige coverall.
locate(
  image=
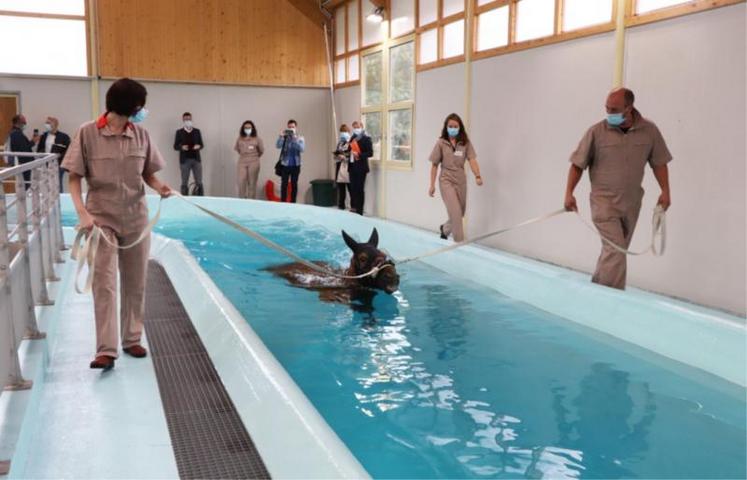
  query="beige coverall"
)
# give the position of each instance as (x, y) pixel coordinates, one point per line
(616, 162)
(250, 149)
(452, 182)
(114, 166)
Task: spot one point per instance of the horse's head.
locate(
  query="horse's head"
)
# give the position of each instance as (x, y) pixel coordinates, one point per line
(366, 257)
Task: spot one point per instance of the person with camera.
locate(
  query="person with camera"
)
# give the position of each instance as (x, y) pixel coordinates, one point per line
(291, 145)
(342, 166)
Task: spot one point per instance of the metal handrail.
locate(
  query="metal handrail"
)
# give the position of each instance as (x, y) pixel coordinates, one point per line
(28, 253)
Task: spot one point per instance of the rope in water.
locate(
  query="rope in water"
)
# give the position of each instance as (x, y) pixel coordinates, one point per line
(85, 246)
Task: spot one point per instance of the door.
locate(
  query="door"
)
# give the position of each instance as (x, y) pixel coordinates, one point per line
(9, 103)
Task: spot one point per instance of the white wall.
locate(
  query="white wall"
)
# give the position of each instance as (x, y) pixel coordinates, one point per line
(68, 100)
(218, 112)
(529, 110)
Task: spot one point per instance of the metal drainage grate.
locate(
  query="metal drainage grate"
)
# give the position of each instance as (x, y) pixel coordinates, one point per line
(207, 434)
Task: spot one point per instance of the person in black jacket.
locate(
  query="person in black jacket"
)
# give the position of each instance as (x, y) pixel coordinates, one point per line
(20, 143)
(359, 167)
(188, 141)
(54, 141)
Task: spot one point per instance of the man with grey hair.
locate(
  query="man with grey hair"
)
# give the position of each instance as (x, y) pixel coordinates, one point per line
(54, 141)
(616, 151)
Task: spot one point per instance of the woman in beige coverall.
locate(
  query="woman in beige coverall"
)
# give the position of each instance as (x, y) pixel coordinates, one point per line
(450, 152)
(115, 156)
(250, 149)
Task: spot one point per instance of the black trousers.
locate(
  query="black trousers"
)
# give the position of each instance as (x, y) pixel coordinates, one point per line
(357, 190)
(289, 174)
(342, 188)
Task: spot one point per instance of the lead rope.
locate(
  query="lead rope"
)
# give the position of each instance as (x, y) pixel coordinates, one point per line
(85, 246)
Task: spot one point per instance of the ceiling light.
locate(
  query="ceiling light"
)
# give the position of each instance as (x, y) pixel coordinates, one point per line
(377, 16)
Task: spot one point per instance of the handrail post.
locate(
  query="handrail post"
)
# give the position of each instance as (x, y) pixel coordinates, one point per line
(15, 380)
(46, 222)
(36, 222)
(59, 244)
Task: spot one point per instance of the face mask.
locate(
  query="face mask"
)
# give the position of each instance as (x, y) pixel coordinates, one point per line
(139, 116)
(247, 131)
(615, 119)
(47, 127)
(453, 131)
(345, 136)
(23, 126)
(357, 131)
(187, 123)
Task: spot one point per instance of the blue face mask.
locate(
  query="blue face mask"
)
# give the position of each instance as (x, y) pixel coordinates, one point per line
(615, 119)
(358, 131)
(345, 136)
(139, 116)
(453, 131)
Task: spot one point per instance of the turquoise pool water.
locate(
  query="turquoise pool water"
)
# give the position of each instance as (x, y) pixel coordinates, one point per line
(450, 379)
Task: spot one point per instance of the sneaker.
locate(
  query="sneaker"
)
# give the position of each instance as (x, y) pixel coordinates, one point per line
(137, 351)
(103, 362)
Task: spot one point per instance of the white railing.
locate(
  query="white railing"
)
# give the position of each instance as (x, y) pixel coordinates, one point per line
(30, 244)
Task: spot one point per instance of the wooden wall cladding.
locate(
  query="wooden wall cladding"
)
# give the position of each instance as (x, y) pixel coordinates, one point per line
(257, 42)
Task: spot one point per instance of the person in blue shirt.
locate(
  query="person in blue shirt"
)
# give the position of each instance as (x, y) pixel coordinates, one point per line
(291, 145)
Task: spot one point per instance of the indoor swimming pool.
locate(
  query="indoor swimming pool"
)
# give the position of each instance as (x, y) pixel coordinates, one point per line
(449, 378)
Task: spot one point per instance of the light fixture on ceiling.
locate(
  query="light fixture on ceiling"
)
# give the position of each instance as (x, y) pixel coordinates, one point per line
(377, 16)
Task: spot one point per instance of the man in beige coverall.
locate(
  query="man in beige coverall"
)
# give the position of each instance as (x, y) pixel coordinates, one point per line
(616, 150)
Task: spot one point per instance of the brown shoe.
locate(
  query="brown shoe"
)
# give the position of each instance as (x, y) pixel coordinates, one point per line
(104, 362)
(137, 351)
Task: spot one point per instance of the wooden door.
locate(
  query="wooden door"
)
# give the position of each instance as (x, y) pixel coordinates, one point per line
(8, 108)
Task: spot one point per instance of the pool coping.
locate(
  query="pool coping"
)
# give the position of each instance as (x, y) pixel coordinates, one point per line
(266, 397)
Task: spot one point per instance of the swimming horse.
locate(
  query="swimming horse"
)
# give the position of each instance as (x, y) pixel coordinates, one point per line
(358, 293)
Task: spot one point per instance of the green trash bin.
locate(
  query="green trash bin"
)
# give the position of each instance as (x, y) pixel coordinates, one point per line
(323, 192)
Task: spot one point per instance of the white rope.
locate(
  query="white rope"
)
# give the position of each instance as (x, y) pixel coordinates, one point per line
(85, 246)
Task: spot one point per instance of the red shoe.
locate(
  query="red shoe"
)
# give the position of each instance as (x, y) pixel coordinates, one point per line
(104, 362)
(137, 351)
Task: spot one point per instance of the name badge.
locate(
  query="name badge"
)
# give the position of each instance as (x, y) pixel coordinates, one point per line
(251, 147)
(459, 153)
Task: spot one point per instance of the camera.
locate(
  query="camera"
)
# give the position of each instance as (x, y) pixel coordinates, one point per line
(288, 132)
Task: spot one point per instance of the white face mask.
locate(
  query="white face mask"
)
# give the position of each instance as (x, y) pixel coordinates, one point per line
(248, 131)
(47, 127)
(187, 124)
(357, 131)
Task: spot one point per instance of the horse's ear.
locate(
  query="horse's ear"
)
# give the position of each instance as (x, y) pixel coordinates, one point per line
(374, 240)
(350, 242)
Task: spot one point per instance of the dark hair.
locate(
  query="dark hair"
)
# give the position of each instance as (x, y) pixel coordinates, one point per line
(461, 136)
(292, 121)
(16, 119)
(344, 127)
(125, 97)
(186, 114)
(254, 129)
(629, 96)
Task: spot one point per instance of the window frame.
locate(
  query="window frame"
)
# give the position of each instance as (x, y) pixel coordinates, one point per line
(385, 107)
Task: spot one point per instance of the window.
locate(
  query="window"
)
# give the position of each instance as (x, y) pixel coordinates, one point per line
(534, 19)
(428, 46)
(402, 17)
(340, 31)
(353, 15)
(353, 73)
(373, 32)
(50, 46)
(347, 38)
(53, 7)
(585, 13)
(644, 6)
(428, 12)
(492, 29)
(340, 71)
(441, 32)
(387, 100)
(452, 7)
(454, 39)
